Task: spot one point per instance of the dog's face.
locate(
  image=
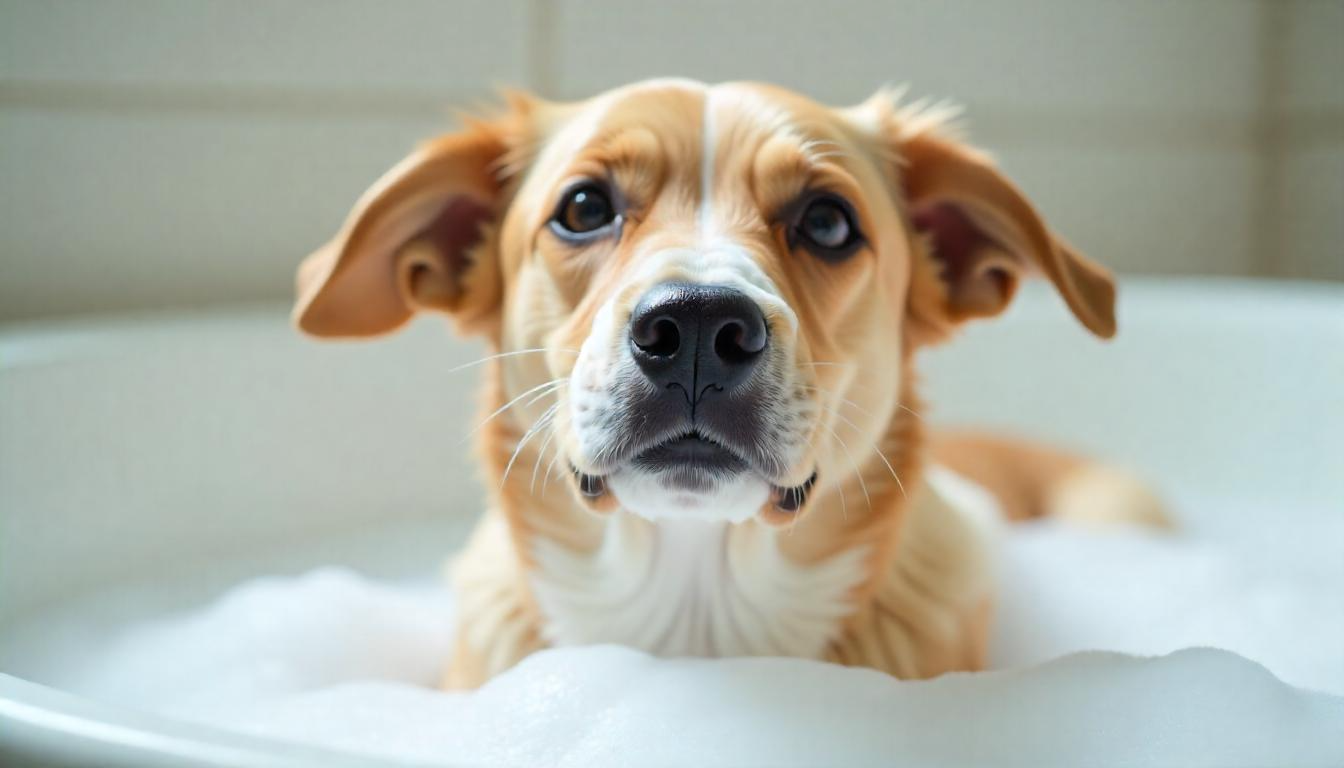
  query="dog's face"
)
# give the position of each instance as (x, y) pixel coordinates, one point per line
(706, 296)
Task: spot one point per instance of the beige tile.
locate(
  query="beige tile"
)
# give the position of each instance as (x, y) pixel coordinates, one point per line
(1152, 211)
(1090, 53)
(1314, 50)
(426, 46)
(1313, 215)
(1308, 147)
(107, 212)
(100, 211)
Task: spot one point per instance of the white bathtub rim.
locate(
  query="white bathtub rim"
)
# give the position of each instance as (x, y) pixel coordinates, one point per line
(50, 339)
(52, 726)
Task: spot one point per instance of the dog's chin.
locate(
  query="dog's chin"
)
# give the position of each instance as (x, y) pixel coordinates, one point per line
(687, 492)
(694, 477)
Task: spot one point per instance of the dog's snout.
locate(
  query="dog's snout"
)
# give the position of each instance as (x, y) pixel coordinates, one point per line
(697, 336)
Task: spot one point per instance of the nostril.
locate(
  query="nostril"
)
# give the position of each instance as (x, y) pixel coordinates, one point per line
(728, 343)
(661, 338)
(693, 337)
(734, 344)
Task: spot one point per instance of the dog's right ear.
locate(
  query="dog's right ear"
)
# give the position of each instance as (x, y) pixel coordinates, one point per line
(414, 241)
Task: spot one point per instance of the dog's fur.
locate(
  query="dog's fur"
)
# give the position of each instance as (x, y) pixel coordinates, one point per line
(884, 564)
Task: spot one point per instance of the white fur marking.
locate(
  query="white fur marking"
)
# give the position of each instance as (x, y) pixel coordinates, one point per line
(693, 588)
(706, 212)
(734, 499)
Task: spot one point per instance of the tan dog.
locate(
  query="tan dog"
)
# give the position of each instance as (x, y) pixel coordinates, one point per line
(707, 302)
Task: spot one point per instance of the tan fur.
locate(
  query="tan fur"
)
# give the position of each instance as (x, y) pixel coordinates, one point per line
(1032, 481)
(922, 607)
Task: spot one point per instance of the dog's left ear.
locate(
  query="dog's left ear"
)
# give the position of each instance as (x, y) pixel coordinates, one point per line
(413, 242)
(981, 236)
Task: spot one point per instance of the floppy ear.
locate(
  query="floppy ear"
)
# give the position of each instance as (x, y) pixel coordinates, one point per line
(413, 242)
(982, 235)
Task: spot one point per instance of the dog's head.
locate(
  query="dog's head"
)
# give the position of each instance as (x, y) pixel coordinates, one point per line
(708, 286)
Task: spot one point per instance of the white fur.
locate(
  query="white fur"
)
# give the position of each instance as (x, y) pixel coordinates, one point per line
(692, 588)
(733, 499)
(706, 212)
(601, 358)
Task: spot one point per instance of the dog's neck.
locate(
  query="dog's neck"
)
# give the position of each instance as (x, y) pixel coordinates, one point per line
(692, 588)
(701, 588)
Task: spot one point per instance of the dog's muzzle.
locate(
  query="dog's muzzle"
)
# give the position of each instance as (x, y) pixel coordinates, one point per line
(700, 427)
(700, 347)
(697, 338)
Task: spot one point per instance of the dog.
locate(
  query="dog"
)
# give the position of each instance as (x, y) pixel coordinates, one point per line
(702, 430)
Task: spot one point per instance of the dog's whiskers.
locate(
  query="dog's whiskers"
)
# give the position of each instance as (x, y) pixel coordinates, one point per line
(892, 470)
(542, 421)
(844, 505)
(559, 449)
(541, 454)
(514, 353)
(826, 363)
(547, 387)
(840, 398)
(858, 472)
(876, 449)
(855, 405)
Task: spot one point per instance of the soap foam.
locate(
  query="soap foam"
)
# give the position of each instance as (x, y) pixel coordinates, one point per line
(340, 660)
(604, 705)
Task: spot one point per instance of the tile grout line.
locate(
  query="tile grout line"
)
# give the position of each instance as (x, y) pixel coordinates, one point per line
(1010, 128)
(1268, 237)
(248, 99)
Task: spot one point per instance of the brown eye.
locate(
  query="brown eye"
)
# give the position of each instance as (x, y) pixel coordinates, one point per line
(827, 227)
(584, 211)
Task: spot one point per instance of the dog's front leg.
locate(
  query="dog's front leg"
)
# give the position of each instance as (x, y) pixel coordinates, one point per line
(930, 612)
(497, 622)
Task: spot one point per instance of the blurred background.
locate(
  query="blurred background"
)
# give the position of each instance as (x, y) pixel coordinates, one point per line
(164, 153)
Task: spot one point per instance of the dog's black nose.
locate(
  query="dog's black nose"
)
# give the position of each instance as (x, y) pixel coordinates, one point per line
(697, 337)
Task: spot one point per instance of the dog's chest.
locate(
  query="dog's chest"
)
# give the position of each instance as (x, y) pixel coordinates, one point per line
(692, 588)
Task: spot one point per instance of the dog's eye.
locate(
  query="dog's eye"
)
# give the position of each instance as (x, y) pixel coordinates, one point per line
(584, 210)
(828, 227)
(825, 223)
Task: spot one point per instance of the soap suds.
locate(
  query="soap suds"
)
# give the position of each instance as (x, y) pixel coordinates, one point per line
(341, 660)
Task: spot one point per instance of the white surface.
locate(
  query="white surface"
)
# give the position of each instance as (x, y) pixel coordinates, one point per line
(334, 660)
(188, 454)
(202, 437)
(609, 706)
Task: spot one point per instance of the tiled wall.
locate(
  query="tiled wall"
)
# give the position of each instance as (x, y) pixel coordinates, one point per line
(1307, 142)
(177, 152)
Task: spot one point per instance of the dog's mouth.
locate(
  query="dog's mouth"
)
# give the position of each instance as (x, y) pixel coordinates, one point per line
(696, 463)
(687, 459)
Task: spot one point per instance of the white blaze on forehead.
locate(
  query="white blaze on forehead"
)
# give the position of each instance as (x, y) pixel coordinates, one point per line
(741, 104)
(706, 212)
(716, 258)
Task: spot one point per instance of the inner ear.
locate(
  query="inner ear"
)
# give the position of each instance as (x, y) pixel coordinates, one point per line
(409, 242)
(978, 270)
(435, 263)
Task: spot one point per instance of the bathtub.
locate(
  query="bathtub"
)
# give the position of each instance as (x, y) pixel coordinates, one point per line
(164, 457)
